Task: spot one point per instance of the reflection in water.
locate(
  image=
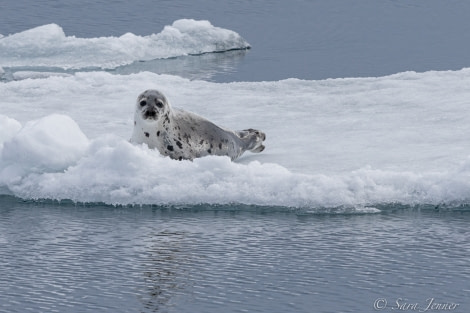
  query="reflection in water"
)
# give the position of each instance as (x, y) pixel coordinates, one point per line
(208, 66)
(67, 258)
(164, 275)
(201, 67)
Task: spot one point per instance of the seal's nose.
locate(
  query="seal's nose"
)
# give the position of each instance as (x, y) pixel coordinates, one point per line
(150, 114)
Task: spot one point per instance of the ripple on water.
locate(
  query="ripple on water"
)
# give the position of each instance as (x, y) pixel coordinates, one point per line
(110, 259)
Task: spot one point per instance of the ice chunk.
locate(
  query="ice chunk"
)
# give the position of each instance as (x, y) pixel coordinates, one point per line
(48, 46)
(9, 128)
(51, 143)
(352, 143)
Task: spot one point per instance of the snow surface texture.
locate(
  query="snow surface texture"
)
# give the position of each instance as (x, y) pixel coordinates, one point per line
(342, 142)
(48, 46)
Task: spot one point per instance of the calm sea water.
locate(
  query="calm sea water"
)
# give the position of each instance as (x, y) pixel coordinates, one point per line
(75, 258)
(306, 39)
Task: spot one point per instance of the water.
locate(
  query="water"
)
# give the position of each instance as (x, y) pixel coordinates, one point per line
(75, 258)
(382, 227)
(300, 39)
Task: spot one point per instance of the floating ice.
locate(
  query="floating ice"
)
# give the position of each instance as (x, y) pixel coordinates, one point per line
(114, 171)
(52, 143)
(343, 142)
(20, 75)
(9, 128)
(48, 46)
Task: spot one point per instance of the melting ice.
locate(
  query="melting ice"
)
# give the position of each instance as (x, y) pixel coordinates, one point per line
(48, 46)
(341, 142)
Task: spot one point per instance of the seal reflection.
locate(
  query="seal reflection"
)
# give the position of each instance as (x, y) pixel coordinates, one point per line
(166, 271)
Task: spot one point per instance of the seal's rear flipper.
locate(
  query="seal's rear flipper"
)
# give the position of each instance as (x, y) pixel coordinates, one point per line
(253, 139)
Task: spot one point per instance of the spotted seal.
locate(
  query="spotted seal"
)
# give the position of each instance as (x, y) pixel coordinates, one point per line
(183, 135)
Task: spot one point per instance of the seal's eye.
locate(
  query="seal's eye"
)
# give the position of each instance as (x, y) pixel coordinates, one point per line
(159, 104)
(143, 103)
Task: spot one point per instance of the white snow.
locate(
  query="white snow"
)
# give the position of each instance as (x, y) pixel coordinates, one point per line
(48, 46)
(10, 127)
(345, 142)
(352, 143)
(52, 143)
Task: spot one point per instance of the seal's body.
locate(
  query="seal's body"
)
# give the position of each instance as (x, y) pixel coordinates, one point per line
(183, 135)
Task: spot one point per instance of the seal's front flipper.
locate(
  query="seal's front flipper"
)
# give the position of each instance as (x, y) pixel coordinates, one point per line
(253, 139)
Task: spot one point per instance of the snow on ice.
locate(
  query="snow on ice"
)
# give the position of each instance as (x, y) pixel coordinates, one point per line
(48, 46)
(351, 142)
(341, 142)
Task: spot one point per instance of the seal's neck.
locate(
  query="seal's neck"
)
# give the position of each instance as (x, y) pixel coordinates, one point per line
(151, 132)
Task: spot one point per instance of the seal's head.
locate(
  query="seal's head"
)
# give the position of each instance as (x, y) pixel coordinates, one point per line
(151, 105)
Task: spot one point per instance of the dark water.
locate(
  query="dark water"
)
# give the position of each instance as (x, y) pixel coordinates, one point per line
(75, 258)
(306, 39)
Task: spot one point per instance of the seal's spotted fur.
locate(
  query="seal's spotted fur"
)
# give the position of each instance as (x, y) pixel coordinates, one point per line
(183, 135)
